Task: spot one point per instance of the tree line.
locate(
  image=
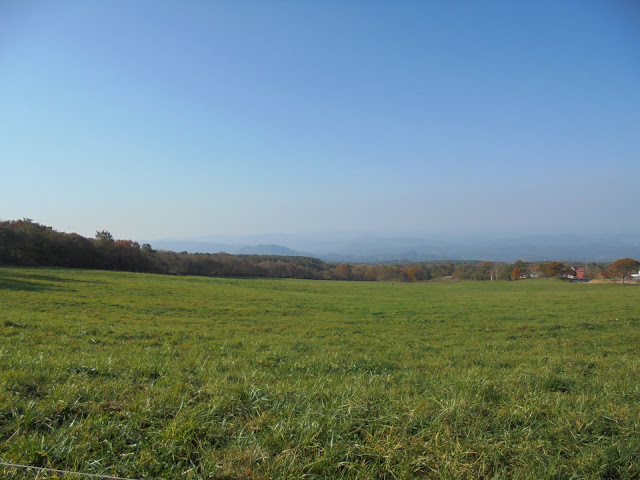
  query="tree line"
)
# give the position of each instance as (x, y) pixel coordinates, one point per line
(27, 243)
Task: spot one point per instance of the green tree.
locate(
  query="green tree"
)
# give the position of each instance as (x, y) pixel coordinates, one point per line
(104, 237)
(464, 272)
(146, 249)
(505, 273)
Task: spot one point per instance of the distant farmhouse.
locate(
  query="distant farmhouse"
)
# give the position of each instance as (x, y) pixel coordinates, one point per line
(534, 271)
(577, 273)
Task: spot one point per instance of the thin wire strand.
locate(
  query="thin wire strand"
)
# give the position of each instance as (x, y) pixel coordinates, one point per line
(43, 469)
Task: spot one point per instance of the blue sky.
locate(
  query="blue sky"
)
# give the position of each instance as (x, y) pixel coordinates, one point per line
(157, 119)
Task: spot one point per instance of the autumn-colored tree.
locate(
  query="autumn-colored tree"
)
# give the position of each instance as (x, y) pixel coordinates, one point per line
(594, 270)
(520, 269)
(517, 271)
(484, 271)
(413, 273)
(388, 274)
(623, 267)
(371, 274)
(343, 271)
(358, 272)
(495, 271)
(128, 244)
(555, 269)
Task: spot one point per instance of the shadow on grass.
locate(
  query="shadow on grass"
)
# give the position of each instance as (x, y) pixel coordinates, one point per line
(21, 285)
(52, 278)
(22, 281)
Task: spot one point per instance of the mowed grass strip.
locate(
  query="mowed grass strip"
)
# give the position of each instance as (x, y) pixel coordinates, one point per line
(147, 376)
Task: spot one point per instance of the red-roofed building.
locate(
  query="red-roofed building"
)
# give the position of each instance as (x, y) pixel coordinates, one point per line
(580, 272)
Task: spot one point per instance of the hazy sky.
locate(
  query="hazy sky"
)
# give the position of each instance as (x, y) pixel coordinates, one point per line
(183, 119)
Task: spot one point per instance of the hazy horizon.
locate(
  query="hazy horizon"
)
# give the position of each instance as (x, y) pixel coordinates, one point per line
(162, 120)
(384, 248)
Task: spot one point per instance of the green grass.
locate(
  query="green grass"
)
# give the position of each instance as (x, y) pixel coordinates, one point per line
(148, 376)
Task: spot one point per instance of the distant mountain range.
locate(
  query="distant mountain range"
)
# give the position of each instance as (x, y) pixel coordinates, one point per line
(212, 247)
(376, 248)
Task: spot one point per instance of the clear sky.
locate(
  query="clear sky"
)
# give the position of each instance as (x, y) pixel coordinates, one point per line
(157, 119)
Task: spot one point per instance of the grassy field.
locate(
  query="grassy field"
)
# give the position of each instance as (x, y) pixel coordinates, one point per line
(145, 376)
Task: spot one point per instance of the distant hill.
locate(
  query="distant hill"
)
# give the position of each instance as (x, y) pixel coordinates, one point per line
(269, 250)
(194, 247)
(213, 247)
(401, 257)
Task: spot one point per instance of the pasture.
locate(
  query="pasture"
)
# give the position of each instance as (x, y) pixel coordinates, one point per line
(148, 376)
